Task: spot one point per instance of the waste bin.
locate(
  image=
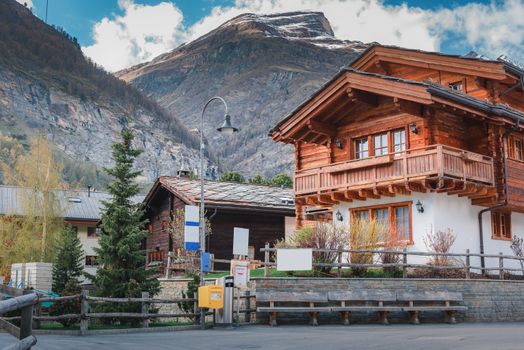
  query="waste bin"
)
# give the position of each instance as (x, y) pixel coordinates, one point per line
(224, 316)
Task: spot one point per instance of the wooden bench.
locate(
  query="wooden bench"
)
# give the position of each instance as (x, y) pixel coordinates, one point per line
(431, 301)
(277, 299)
(364, 300)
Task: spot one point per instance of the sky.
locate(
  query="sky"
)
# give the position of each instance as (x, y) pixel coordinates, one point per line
(120, 33)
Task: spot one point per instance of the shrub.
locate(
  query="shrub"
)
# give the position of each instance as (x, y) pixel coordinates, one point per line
(393, 242)
(365, 234)
(517, 246)
(192, 288)
(440, 242)
(72, 287)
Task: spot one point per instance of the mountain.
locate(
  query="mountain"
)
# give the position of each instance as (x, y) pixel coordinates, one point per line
(263, 65)
(48, 86)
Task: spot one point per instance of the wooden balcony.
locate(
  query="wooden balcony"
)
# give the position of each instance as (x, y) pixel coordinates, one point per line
(436, 168)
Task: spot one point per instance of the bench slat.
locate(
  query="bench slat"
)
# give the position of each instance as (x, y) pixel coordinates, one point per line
(435, 308)
(302, 297)
(366, 308)
(293, 309)
(362, 295)
(429, 296)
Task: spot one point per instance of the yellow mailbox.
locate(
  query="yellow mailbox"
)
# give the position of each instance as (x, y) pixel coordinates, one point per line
(211, 297)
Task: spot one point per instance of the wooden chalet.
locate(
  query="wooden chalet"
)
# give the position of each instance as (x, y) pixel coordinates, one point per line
(397, 127)
(268, 213)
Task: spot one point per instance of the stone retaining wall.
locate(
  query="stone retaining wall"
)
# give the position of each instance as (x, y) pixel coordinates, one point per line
(487, 300)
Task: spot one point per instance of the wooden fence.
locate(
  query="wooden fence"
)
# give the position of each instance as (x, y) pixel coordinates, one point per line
(24, 301)
(86, 302)
(458, 261)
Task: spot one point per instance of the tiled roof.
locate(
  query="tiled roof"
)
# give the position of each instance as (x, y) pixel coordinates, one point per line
(230, 193)
(73, 204)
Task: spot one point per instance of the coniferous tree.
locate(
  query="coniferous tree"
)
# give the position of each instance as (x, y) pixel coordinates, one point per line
(68, 262)
(122, 260)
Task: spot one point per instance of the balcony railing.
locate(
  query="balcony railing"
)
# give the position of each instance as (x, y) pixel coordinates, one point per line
(406, 166)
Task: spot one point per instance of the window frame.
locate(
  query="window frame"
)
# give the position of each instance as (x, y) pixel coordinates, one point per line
(501, 221)
(93, 235)
(89, 257)
(462, 83)
(370, 139)
(353, 212)
(512, 149)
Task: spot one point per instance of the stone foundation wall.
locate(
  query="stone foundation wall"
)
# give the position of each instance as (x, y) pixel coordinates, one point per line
(487, 300)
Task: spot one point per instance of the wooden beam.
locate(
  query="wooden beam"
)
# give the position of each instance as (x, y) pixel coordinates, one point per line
(383, 191)
(338, 197)
(321, 128)
(415, 187)
(325, 199)
(363, 97)
(353, 195)
(367, 193)
(397, 189)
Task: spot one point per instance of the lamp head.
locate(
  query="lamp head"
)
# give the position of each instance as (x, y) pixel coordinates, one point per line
(226, 127)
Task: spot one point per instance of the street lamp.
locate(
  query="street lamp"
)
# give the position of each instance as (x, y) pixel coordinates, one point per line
(226, 129)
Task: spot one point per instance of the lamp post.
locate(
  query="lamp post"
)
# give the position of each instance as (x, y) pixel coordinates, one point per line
(226, 129)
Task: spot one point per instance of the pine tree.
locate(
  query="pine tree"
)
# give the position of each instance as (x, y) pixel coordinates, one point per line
(68, 262)
(120, 255)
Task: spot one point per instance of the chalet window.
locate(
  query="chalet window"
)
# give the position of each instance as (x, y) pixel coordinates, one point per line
(396, 215)
(380, 144)
(91, 260)
(516, 148)
(457, 86)
(91, 231)
(361, 148)
(399, 140)
(501, 225)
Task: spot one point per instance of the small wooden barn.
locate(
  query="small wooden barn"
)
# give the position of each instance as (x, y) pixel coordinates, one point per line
(268, 213)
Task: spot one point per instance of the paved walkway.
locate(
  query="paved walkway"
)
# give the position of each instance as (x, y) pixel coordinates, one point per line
(498, 336)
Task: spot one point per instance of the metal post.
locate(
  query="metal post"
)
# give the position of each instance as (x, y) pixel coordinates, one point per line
(145, 310)
(247, 318)
(468, 265)
(84, 309)
(195, 307)
(266, 260)
(339, 268)
(202, 206)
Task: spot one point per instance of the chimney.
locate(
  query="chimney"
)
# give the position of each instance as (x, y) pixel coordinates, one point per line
(89, 190)
(182, 173)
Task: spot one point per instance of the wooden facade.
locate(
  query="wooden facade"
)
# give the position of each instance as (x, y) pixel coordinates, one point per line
(265, 221)
(399, 120)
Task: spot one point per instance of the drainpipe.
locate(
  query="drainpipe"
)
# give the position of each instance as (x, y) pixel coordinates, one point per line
(498, 206)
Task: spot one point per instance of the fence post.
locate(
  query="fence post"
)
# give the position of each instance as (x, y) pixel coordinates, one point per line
(195, 308)
(467, 268)
(26, 320)
(247, 317)
(501, 266)
(84, 309)
(266, 260)
(145, 310)
(404, 263)
(339, 259)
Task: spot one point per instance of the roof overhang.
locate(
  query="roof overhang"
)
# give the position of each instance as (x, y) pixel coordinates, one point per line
(489, 69)
(351, 85)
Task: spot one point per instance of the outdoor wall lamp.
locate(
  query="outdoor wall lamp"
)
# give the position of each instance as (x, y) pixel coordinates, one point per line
(419, 206)
(413, 128)
(338, 143)
(339, 216)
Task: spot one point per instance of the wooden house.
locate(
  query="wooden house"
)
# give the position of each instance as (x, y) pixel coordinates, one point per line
(419, 140)
(268, 213)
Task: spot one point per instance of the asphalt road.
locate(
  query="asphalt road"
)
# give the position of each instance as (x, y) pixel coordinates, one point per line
(495, 336)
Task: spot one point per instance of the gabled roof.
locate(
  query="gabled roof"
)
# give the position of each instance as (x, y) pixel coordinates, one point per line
(227, 194)
(73, 204)
(476, 66)
(415, 91)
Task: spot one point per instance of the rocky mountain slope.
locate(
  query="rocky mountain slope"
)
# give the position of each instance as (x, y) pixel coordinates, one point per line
(263, 65)
(48, 86)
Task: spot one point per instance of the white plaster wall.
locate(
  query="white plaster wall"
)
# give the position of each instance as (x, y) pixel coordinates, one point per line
(441, 212)
(88, 245)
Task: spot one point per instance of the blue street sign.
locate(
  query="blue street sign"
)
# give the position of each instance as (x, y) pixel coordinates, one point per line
(205, 261)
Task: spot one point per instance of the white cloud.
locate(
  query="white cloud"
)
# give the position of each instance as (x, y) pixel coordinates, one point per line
(140, 34)
(144, 32)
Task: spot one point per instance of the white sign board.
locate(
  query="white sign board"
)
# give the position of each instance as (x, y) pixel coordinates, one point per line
(191, 228)
(240, 272)
(240, 241)
(300, 259)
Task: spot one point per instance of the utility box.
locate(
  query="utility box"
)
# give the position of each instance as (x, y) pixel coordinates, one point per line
(211, 297)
